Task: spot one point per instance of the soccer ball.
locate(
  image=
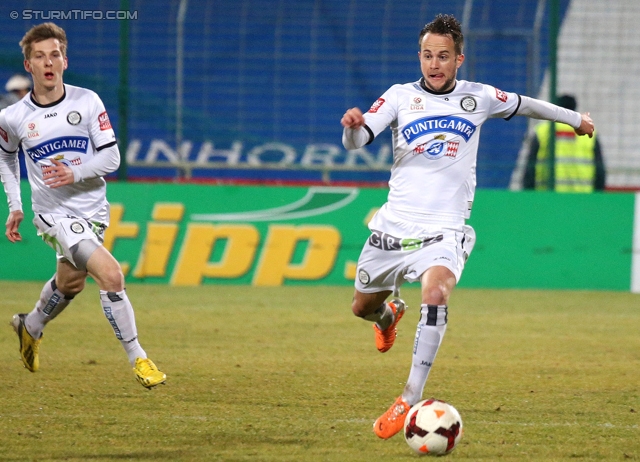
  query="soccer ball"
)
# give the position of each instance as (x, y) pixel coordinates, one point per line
(433, 427)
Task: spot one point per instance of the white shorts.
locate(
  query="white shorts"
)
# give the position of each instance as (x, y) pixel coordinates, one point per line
(386, 261)
(62, 232)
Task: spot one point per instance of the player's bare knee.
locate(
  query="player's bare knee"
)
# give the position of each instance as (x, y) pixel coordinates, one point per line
(362, 310)
(357, 309)
(112, 279)
(435, 295)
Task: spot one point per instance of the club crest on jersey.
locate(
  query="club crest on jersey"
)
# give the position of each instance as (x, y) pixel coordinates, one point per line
(448, 124)
(468, 103)
(74, 117)
(437, 148)
(69, 162)
(55, 146)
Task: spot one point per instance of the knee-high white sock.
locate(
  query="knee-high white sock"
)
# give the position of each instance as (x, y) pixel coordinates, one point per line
(429, 335)
(119, 312)
(383, 316)
(50, 305)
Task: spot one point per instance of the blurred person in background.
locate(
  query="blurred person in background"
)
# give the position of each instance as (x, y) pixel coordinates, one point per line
(579, 167)
(16, 87)
(69, 147)
(420, 233)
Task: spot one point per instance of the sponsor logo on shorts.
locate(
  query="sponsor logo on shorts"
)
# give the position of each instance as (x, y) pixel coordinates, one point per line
(384, 241)
(77, 227)
(443, 258)
(74, 117)
(363, 277)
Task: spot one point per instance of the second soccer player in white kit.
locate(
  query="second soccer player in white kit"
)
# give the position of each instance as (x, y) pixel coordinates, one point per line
(420, 233)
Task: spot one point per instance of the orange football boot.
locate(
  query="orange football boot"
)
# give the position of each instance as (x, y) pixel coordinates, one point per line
(385, 338)
(392, 421)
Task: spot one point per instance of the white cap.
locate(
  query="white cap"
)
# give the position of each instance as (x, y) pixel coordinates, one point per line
(18, 82)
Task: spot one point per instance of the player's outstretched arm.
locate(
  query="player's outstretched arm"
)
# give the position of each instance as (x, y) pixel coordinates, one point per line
(538, 109)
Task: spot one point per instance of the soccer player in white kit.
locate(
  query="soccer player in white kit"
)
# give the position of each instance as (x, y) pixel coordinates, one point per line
(69, 147)
(420, 234)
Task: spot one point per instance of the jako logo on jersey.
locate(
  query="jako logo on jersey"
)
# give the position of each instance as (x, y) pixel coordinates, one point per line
(450, 124)
(58, 145)
(53, 114)
(375, 106)
(105, 123)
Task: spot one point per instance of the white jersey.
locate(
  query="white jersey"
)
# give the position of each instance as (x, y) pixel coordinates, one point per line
(72, 131)
(435, 146)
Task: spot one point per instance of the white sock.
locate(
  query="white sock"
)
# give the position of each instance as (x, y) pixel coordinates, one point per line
(50, 305)
(429, 335)
(383, 316)
(119, 312)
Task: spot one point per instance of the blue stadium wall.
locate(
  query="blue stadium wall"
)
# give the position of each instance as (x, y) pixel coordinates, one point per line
(282, 72)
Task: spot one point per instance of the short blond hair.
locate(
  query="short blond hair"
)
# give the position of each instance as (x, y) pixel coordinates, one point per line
(42, 32)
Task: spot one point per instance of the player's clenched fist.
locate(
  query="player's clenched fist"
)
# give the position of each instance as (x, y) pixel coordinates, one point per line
(353, 118)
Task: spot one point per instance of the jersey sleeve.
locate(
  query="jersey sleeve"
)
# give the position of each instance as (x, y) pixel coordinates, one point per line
(9, 143)
(100, 130)
(383, 111)
(502, 103)
(9, 165)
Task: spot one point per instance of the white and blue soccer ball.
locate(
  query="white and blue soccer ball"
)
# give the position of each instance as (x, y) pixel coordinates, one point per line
(433, 427)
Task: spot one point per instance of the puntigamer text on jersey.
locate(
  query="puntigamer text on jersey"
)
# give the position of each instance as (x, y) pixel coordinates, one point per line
(450, 124)
(57, 145)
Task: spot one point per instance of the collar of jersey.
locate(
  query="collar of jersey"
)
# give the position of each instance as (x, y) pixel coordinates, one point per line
(64, 95)
(425, 88)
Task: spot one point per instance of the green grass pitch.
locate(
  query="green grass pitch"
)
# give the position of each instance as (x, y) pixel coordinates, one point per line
(289, 374)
